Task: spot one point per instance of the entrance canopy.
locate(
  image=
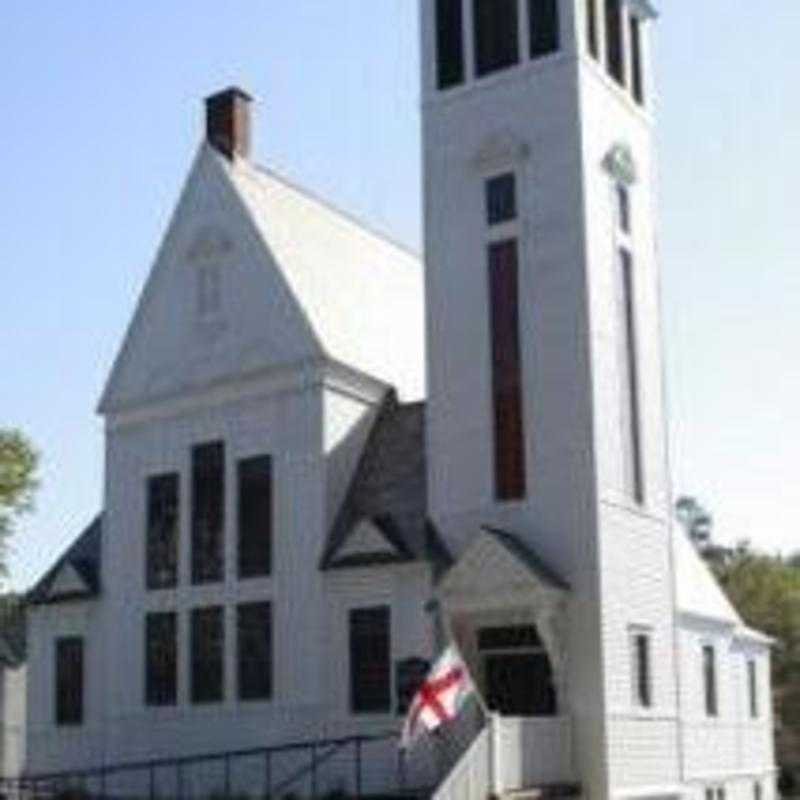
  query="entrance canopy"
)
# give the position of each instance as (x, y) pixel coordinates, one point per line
(506, 609)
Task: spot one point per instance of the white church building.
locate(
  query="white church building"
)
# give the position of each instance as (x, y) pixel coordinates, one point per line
(327, 456)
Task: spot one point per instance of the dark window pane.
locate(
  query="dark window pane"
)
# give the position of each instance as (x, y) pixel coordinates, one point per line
(370, 661)
(163, 526)
(615, 54)
(710, 680)
(752, 677)
(632, 368)
(591, 28)
(636, 64)
(496, 35)
(623, 208)
(161, 653)
(509, 435)
(254, 642)
(449, 43)
(643, 687)
(255, 517)
(208, 654)
(501, 199)
(208, 512)
(544, 34)
(69, 681)
(510, 638)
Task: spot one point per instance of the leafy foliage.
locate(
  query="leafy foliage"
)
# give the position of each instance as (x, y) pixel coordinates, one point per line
(18, 463)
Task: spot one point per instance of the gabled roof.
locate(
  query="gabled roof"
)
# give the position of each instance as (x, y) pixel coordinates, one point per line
(313, 286)
(698, 593)
(388, 493)
(499, 563)
(526, 554)
(361, 292)
(82, 561)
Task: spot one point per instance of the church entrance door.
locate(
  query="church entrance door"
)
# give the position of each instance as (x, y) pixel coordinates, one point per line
(518, 676)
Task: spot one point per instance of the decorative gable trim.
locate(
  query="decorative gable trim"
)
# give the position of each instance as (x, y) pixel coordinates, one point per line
(67, 583)
(501, 151)
(366, 539)
(370, 543)
(620, 165)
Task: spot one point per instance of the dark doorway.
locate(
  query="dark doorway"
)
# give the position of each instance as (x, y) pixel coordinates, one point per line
(519, 677)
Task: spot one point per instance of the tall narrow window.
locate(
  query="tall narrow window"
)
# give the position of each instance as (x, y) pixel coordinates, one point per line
(758, 792)
(637, 68)
(255, 517)
(623, 208)
(69, 681)
(449, 43)
(208, 513)
(496, 35)
(161, 659)
(710, 680)
(254, 650)
(752, 681)
(631, 362)
(509, 433)
(544, 32)
(642, 670)
(208, 655)
(162, 531)
(370, 661)
(615, 53)
(591, 28)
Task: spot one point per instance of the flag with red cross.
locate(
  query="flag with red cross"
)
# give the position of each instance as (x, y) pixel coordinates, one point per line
(440, 697)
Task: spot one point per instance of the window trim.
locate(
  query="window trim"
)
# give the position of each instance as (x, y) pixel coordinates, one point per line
(642, 680)
(151, 481)
(753, 686)
(355, 709)
(243, 570)
(269, 693)
(196, 563)
(72, 716)
(194, 662)
(152, 697)
(483, 71)
(710, 675)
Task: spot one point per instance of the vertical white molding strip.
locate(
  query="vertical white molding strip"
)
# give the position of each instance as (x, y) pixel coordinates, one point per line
(523, 32)
(468, 40)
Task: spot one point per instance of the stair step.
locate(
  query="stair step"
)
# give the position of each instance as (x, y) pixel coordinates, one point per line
(551, 791)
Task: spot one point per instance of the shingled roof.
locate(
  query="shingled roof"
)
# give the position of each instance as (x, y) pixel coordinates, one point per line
(84, 557)
(389, 492)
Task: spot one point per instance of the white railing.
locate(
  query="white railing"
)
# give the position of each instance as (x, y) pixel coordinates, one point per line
(535, 751)
(470, 779)
(512, 753)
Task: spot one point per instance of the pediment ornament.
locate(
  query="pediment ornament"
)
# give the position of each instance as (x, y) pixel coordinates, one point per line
(210, 244)
(620, 164)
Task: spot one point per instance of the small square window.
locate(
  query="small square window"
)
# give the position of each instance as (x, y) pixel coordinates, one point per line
(501, 199)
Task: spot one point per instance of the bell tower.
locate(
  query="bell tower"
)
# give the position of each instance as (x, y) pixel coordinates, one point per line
(545, 412)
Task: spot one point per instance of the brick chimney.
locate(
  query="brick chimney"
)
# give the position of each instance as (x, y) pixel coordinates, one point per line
(228, 122)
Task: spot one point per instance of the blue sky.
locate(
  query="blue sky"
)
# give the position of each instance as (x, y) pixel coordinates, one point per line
(102, 117)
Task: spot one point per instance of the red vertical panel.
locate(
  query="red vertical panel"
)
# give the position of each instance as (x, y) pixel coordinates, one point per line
(509, 428)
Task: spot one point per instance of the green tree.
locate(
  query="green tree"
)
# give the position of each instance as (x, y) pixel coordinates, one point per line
(698, 523)
(18, 464)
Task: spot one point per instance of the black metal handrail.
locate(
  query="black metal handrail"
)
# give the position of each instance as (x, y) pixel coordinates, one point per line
(321, 751)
